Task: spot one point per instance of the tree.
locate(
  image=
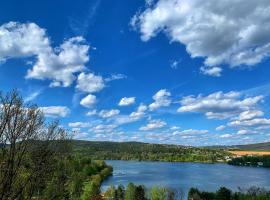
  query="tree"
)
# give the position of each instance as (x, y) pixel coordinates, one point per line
(90, 191)
(120, 193)
(110, 193)
(224, 194)
(130, 192)
(139, 193)
(157, 193)
(28, 147)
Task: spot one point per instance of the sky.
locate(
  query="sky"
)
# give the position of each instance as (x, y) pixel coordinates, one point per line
(184, 72)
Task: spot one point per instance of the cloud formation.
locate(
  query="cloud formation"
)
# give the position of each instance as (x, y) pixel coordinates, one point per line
(55, 111)
(126, 101)
(153, 124)
(108, 113)
(219, 105)
(28, 40)
(89, 83)
(161, 99)
(233, 33)
(88, 101)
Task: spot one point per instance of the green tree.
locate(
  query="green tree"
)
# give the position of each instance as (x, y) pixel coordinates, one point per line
(130, 192)
(158, 193)
(90, 191)
(140, 193)
(224, 194)
(110, 193)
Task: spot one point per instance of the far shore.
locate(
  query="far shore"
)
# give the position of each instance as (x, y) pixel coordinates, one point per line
(244, 153)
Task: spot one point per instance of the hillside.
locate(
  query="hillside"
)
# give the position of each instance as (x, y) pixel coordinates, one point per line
(146, 151)
(258, 147)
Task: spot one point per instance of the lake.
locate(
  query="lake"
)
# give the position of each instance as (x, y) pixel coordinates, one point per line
(183, 176)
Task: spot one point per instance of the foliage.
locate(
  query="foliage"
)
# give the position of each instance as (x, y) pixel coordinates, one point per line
(226, 194)
(255, 161)
(36, 160)
(144, 151)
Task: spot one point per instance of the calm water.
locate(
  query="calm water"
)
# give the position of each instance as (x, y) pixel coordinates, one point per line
(182, 176)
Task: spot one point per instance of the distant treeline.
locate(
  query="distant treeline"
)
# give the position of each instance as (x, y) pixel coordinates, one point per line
(134, 192)
(255, 161)
(223, 193)
(147, 152)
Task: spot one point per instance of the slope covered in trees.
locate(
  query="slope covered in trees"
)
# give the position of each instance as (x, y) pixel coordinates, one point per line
(144, 151)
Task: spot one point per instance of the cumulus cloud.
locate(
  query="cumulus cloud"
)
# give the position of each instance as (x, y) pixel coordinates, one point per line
(211, 71)
(190, 132)
(88, 101)
(226, 136)
(256, 122)
(79, 124)
(220, 128)
(89, 83)
(250, 114)
(153, 124)
(103, 128)
(233, 33)
(161, 99)
(139, 113)
(126, 101)
(219, 105)
(108, 113)
(59, 64)
(55, 111)
(132, 117)
(91, 113)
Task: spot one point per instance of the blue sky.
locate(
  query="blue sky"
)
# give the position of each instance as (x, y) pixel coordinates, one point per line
(165, 71)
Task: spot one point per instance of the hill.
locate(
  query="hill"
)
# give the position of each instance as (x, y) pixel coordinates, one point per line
(255, 147)
(145, 151)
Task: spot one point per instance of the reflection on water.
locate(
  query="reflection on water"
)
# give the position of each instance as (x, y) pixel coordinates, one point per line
(183, 176)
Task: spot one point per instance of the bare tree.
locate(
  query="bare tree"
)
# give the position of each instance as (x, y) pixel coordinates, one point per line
(28, 147)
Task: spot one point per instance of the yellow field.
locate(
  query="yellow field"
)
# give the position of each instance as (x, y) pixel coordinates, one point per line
(243, 153)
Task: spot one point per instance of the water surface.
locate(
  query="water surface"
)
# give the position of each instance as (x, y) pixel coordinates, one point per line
(183, 176)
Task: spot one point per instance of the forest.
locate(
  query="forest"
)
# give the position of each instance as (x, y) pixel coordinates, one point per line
(253, 161)
(134, 192)
(147, 152)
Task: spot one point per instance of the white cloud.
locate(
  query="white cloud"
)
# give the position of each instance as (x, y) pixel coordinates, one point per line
(219, 105)
(79, 124)
(115, 77)
(226, 136)
(257, 122)
(153, 124)
(91, 113)
(103, 128)
(174, 64)
(126, 101)
(190, 132)
(139, 113)
(33, 96)
(220, 128)
(161, 99)
(56, 64)
(224, 32)
(108, 113)
(134, 116)
(55, 111)
(88, 101)
(173, 128)
(211, 71)
(90, 83)
(250, 114)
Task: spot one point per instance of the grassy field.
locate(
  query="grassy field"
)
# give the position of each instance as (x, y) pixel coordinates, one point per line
(243, 153)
